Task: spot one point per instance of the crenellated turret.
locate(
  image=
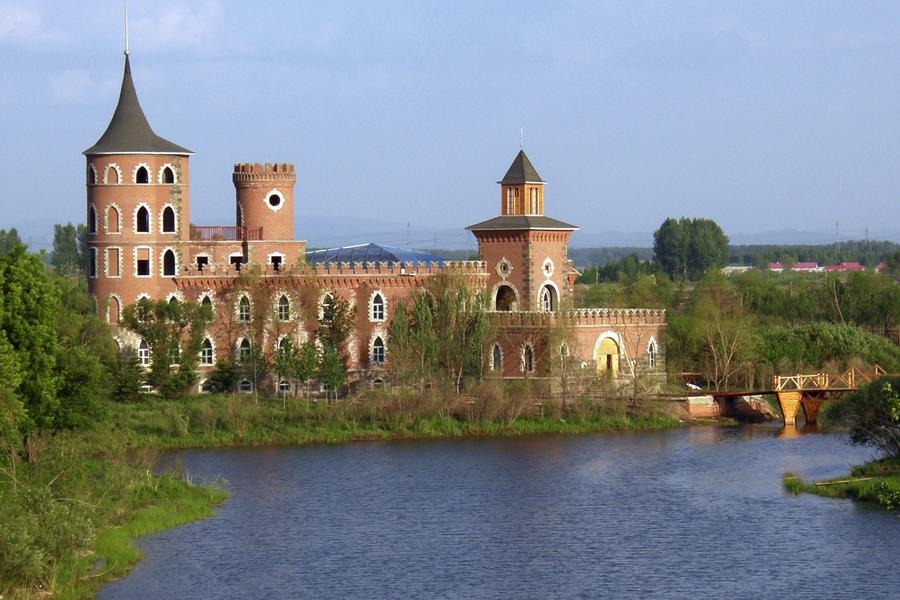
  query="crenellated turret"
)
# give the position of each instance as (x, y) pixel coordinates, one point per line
(265, 199)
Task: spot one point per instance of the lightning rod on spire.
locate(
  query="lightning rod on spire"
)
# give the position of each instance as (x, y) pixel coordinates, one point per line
(521, 138)
(126, 28)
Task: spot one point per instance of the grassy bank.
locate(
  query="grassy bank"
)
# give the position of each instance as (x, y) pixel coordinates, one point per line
(69, 517)
(213, 421)
(876, 482)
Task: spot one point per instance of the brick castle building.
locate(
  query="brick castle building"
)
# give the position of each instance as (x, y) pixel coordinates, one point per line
(142, 243)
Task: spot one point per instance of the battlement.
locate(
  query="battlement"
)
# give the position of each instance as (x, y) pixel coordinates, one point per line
(466, 267)
(264, 172)
(581, 317)
(463, 267)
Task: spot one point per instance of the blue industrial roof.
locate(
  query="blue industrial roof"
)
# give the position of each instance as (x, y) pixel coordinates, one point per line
(374, 253)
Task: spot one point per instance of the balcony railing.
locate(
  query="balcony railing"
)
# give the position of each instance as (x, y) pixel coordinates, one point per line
(221, 233)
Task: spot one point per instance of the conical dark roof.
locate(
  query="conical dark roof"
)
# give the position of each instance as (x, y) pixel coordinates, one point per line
(521, 171)
(129, 132)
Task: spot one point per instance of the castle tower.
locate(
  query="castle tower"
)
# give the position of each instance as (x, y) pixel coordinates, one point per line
(525, 251)
(265, 200)
(138, 208)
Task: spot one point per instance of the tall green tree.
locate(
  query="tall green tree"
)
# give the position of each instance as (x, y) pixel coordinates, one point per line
(12, 411)
(336, 324)
(671, 247)
(872, 413)
(175, 333)
(708, 247)
(29, 305)
(9, 240)
(332, 371)
(688, 248)
(70, 253)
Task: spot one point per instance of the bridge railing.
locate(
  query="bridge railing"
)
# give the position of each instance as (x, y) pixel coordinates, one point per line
(851, 379)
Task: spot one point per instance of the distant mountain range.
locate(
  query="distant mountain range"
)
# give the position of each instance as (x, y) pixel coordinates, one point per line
(323, 231)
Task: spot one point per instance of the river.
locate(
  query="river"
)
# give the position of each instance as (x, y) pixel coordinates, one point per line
(686, 513)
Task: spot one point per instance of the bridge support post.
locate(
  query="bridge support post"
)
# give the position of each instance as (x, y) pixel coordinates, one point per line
(790, 404)
(811, 406)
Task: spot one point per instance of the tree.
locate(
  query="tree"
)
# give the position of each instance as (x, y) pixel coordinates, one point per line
(70, 253)
(873, 415)
(285, 360)
(336, 324)
(461, 326)
(306, 363)
(671, 244)
(29, 305)
(9, 241)
(223, 378)
(688, 248)
(708, 247)
(12, 411)
(332, 371)
(127, 377)
(175, 332)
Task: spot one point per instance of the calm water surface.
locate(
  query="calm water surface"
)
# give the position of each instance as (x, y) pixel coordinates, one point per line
(688, 513)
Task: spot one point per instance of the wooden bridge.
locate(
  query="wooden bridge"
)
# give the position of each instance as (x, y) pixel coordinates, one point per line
(810, 391)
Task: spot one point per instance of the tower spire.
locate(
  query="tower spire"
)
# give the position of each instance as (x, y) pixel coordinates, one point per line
(127, 51)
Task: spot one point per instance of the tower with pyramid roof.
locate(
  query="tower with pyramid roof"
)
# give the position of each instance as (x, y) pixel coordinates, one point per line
(525, 251)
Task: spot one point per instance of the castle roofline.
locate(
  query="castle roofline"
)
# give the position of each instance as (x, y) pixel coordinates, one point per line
(522, 222)
(521, 171)
(129, 132)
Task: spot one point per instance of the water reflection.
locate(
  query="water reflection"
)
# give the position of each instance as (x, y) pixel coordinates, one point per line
(689, 513)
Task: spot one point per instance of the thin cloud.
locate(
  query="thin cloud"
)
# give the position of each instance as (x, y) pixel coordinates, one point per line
(177, 25)
(76, 85)
(24, 24)
(856, 41)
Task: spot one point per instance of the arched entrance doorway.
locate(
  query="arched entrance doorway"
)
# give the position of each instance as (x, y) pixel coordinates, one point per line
(608, 358)
(506, 299)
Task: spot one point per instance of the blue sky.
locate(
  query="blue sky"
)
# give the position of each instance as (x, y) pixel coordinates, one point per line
(764, 115)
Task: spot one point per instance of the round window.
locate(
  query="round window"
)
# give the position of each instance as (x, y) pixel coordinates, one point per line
(274, 200)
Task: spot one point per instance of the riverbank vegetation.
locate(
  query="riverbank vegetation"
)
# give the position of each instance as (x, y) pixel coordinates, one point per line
(737, 331)
(872, 417)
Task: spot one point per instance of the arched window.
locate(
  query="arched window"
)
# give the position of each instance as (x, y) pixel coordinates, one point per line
(528, 359)
(246, 386)
(548, 299)
(92, 219)
(284, 386)
(169, 263)
(244, 350)
(244, 309)
(142, 175)
(497, 358)
(92, 175)
(378, 354)
(506, 298)
(115, 309)
(206, 353)
(207, 301)
(144, 353)
(378, 308)
(168, 220)
(326, 304)
(284, 308)
(168, 175)
(92, 263)
(651, 354)
(112, 220)
(142, 220)
(111, 174)
(285, 344)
